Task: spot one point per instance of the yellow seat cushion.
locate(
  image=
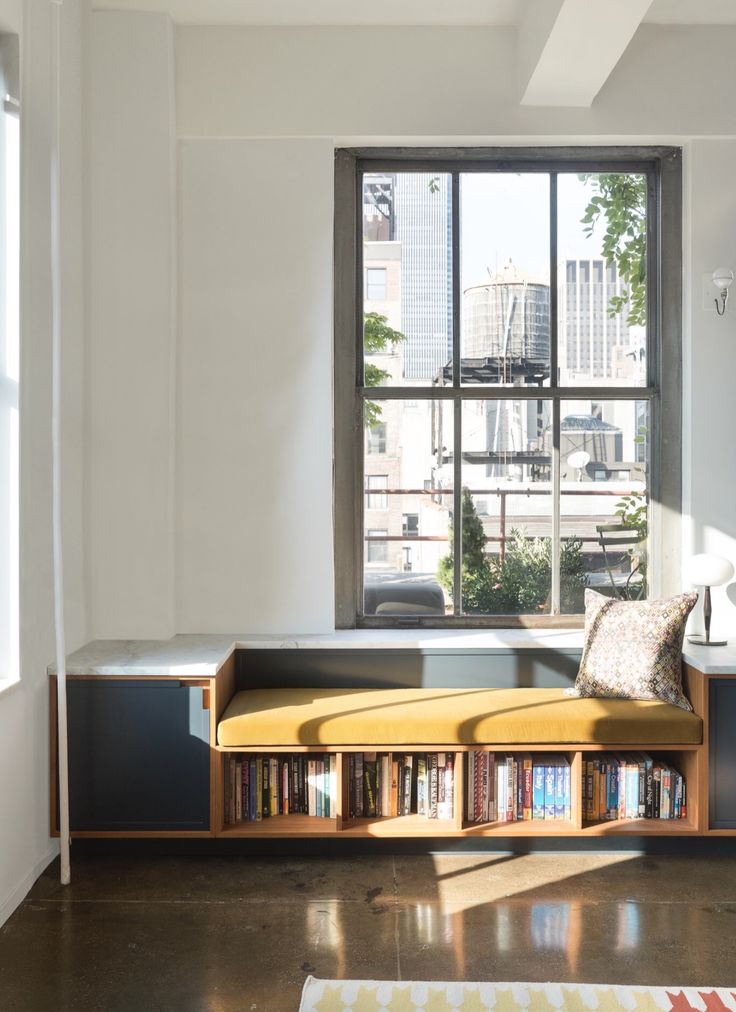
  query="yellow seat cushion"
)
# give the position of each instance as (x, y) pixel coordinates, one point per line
(387, 717)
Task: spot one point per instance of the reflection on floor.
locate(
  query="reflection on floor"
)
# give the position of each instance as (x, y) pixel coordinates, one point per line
(219, 934)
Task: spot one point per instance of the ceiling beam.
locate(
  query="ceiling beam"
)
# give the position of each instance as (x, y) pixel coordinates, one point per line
(568, 48)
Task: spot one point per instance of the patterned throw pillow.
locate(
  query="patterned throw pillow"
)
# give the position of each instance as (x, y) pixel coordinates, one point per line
(633, 649)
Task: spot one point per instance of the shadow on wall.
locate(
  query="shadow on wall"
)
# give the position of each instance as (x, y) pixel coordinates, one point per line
(439, 669)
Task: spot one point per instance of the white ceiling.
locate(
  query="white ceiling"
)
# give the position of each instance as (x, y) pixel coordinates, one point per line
(396, 12)
(329, 12)
(692, 12)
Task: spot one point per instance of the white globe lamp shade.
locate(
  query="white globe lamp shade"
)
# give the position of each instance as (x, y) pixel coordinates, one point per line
(708, 570)
(722, 277)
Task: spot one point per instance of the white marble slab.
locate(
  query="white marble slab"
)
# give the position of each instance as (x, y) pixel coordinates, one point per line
(711, 660)
(201, 656)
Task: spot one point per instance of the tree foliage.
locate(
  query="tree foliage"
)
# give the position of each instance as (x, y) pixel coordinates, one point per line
(521, 583)
(621, 200)
(378, 338)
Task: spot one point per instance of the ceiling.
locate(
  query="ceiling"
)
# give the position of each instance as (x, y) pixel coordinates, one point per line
(397, 12)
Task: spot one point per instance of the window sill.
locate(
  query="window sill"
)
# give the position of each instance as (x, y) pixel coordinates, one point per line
(495, 639)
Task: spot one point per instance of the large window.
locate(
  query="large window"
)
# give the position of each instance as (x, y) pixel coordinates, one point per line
(9, 357)
(521, 377)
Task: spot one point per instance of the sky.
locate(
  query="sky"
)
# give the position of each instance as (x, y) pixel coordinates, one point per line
(506, 216)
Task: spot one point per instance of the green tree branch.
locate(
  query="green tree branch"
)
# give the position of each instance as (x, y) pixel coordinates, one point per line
(620, 200)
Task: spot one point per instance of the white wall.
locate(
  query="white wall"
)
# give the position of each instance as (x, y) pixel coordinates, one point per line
(131, 315)
(710, 367)
(441, 83)
(25, 847)
(254, 433)
(255, 255)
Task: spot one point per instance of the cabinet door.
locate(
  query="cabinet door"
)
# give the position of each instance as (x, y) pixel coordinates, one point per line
(139, 756)
(722, 758)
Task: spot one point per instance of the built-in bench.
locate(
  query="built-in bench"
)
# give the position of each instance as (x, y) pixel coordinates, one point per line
(333, 717)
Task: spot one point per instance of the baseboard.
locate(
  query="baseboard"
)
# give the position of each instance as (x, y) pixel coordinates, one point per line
(11, 904)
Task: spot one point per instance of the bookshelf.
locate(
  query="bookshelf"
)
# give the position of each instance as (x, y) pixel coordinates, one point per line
(163, 731)
(684, 758)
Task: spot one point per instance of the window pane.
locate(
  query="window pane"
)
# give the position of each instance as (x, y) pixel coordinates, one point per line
(408, 499)
(507, 511)
(604, 467)
(376, 500)
(602, 279)
(504, 277)
(376, 551)
(376, 438)
(375, 284)
(407, 256)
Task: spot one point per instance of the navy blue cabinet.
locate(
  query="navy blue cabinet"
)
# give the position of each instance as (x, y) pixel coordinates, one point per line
(722, 757)
(139, 756)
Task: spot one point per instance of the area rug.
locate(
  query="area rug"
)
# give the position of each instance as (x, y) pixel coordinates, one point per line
(446, 996)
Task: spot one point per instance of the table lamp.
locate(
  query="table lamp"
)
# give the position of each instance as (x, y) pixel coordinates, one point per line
(708, 571)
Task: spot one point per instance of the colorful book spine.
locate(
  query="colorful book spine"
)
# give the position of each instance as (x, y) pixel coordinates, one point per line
(407, 784)
(510, 789)
(433, 787)
(559, 791)
(549, 791)
(370, 784)
(501, 789)
(385, 785)
(311, 787)
(273, 786)
(445, 807)
(527, 801)
(538, 791)
(358, 793)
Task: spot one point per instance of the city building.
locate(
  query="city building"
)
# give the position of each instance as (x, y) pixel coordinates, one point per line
(596, 345)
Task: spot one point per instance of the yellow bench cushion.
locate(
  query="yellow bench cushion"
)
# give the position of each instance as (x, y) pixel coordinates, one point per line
(269, 717)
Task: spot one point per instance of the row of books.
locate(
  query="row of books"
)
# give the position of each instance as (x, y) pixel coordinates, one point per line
(512, 788)
(632, 786)
(384, 786)
(260, 786)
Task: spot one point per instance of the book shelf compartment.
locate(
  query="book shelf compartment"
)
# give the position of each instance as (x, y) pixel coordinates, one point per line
(539, 792)
(341, 822)
(266, 793)
(396, 792)
(684, 761)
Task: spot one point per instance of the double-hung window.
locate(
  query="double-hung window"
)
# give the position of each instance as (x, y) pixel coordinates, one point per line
(524, 368)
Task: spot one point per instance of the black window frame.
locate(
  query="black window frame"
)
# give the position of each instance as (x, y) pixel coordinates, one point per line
(663, 391)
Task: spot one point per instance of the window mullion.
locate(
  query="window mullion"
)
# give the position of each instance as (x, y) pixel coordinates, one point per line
(457, 435)
(555, 553)
(556, 412)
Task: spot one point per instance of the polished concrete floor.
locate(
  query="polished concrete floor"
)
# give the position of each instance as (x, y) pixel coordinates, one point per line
(216, 934)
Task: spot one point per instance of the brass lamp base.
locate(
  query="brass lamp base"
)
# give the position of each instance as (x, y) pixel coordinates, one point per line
(702, 641)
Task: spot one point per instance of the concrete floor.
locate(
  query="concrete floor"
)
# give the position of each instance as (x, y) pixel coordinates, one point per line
(215, 934)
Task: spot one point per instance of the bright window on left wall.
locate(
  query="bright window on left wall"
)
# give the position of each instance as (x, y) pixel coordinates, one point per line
(9, 360)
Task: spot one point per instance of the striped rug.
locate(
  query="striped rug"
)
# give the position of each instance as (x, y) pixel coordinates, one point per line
(446, 996)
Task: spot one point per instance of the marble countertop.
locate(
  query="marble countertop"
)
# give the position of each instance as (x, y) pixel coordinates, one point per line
(201, 656)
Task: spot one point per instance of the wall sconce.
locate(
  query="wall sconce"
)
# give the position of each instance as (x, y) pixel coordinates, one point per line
(722, 278)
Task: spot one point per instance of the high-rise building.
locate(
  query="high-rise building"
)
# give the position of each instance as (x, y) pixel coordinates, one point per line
(423, 225)
(414, 210)
(595, 345)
